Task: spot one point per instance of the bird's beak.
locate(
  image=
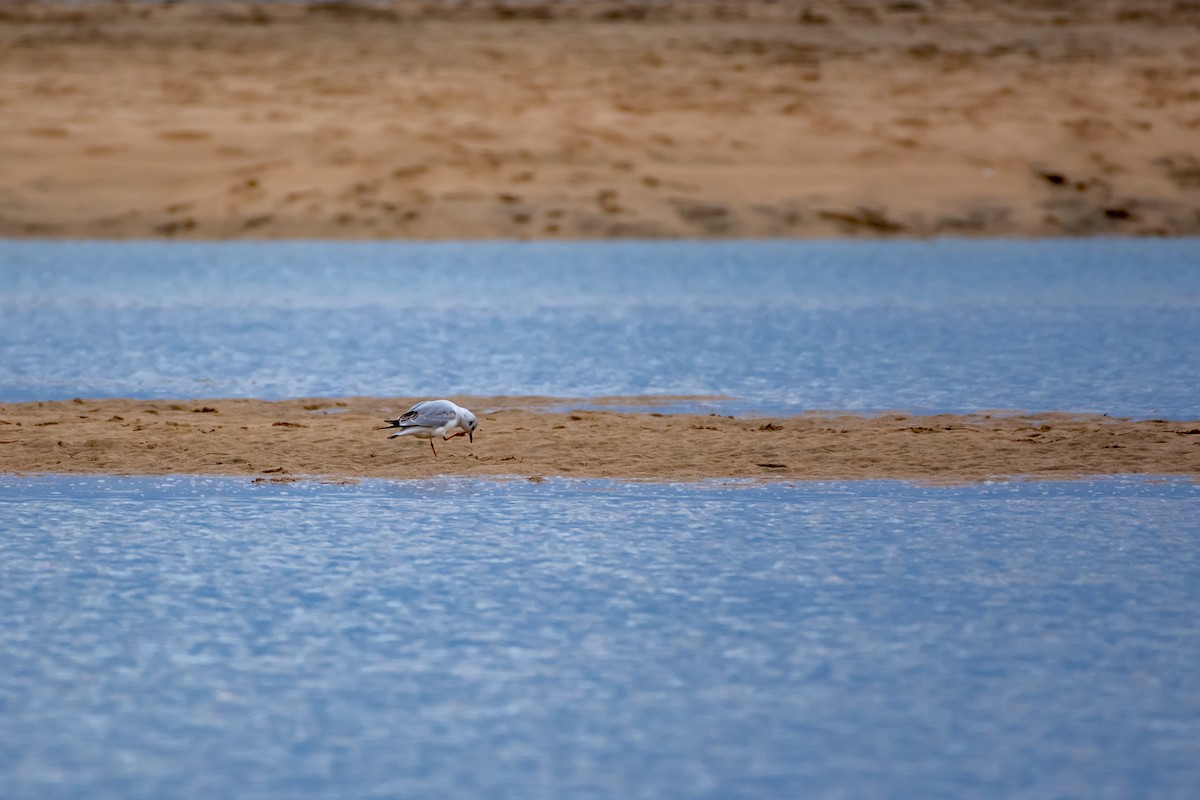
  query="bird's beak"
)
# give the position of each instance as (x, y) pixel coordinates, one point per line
(471, 436)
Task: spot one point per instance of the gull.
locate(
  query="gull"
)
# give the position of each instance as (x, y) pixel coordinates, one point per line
(430, 418)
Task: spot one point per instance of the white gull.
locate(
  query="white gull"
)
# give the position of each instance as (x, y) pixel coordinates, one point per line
(430, 418)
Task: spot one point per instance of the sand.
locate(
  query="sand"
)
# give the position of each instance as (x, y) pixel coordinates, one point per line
(597, 119)
(532, 438)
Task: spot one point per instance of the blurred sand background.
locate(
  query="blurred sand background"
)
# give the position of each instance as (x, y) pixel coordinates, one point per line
(597, 119)
(531, 437)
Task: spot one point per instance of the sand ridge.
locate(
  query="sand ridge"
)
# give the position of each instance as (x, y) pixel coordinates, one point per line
(599, 119)
(341, 439)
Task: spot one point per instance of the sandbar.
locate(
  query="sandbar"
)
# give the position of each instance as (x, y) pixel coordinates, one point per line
(538, 438)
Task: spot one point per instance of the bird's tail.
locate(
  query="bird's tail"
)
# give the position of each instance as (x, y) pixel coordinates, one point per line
(391, 423)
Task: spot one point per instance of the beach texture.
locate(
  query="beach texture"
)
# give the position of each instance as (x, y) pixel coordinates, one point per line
(595, 119)
(534, 438)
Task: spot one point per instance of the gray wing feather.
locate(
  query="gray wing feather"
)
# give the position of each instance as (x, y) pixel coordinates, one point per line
(430, 413)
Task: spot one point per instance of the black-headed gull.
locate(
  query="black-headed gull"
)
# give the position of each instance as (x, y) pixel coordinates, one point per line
(430, 418)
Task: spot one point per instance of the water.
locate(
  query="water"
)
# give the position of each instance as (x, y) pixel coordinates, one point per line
(192, 637)
(209, 637)
(770, 327)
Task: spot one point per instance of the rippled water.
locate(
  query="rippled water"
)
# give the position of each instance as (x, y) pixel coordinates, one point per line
(775, 327)
(188, 637)
(206, 637)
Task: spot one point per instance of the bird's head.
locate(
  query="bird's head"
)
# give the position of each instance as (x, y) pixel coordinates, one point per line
(471, 424)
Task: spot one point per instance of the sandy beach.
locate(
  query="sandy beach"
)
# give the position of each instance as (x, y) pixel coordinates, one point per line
(534, 438)
(595, 119)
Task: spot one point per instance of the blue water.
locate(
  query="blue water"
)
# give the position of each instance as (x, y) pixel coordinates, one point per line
(771, 327)
(191, 637)
(212, 638)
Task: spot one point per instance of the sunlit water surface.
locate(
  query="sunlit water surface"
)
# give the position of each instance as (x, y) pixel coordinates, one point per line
(1105, 326)
(191, 637)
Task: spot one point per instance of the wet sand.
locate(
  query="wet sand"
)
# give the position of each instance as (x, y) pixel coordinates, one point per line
(597, 119)
(533, 438)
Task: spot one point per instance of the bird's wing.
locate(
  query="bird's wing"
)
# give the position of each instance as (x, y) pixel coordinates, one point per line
(409, 415)
(400, 420)
(430, 413)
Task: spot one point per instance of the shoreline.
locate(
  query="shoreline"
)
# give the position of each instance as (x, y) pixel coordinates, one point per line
(341, 439)
(599, 119)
